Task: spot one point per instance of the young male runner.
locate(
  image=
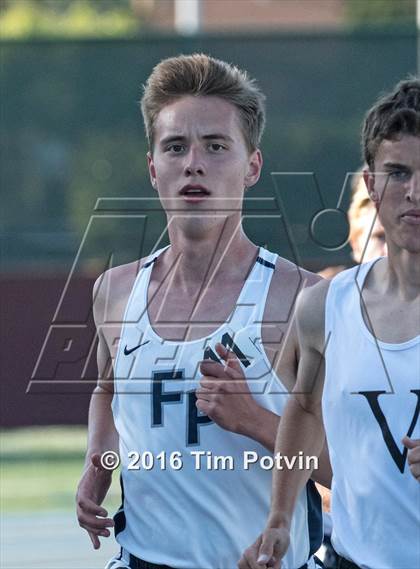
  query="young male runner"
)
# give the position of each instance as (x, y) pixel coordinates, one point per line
(204, 120)
(362, 332)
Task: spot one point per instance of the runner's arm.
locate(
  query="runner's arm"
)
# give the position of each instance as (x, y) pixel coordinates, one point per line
(301, 428)
(102, 436)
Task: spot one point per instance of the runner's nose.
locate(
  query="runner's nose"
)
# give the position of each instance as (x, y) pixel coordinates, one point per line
(194, 163)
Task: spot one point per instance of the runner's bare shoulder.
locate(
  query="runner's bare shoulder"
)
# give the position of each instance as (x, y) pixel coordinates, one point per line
(311, 315)
(112, 289)
(287, 282)
(279, 334)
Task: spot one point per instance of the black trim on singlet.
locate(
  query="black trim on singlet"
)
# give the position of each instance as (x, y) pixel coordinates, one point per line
(315, 528)
(258, 260)
(149, 263)
(119, 517)
(265, 263)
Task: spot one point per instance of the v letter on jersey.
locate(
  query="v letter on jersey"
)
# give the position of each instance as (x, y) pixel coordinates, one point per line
(372, 397)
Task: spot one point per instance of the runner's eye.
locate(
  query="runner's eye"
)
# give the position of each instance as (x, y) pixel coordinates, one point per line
(216, 147)
(175, 148)
(399, 175)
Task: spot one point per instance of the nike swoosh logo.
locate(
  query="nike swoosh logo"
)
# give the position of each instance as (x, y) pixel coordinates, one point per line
(254, 342)
(127, 351)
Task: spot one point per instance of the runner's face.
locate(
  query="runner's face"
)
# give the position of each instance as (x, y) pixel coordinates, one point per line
(200, 160)
(395, 186)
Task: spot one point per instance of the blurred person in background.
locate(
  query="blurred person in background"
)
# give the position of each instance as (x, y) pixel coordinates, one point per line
(366, 241)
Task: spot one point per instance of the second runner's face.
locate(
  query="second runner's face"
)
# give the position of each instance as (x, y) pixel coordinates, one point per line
(396, 188)
(200, 161)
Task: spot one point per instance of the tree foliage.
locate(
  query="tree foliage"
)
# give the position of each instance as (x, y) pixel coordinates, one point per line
(380, 12)
(66, 18)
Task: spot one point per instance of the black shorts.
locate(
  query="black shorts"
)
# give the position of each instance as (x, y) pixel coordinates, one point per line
(343, 563)
(136, 563)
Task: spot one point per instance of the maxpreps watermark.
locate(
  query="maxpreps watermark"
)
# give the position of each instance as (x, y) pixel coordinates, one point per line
(206, 460)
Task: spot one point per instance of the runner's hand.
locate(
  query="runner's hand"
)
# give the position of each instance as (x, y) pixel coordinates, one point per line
(413, 456)
(267, 551)
(91, 492)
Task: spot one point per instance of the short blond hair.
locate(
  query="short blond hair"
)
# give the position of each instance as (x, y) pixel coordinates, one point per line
(199, 74)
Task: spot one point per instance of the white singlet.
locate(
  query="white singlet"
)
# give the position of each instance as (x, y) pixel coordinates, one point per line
(180, 515)
(371, 400)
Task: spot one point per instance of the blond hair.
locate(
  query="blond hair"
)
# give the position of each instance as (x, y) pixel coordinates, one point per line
(199, 74)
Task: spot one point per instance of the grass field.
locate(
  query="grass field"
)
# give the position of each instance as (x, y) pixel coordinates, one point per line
(40, 468)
